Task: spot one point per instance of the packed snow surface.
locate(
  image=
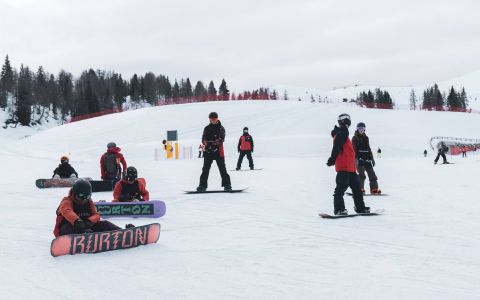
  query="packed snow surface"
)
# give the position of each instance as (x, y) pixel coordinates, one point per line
(265, 243)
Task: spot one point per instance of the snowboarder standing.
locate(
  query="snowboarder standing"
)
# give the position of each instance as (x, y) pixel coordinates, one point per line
(379, 152)
(64, 169)
(112, 164)
(130, 188)
(343, 157)
(425, 152)
(245, 147)
(213, 138)
(77, 214)
(364, 159)
(201, 149)
(442, 149)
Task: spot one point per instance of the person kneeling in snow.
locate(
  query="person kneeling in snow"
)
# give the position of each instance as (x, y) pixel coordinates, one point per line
(64, 169)
(130, 188)
(77, 214)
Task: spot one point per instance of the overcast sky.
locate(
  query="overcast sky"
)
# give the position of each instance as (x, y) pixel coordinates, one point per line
(312, 43)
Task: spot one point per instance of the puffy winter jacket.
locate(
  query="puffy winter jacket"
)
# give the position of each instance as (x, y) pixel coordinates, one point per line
(213, 138)
(119, 160)
(245, 143)
(64, 170)
(125, 191)
(361, 145)
(342, 151)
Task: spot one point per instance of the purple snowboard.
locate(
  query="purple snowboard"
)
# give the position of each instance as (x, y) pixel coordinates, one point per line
(142, 209)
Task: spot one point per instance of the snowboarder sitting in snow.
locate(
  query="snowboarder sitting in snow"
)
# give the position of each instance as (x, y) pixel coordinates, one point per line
(130, 188)
(77, 213)
(442, 149)
(343, 157)
(245, 147)
(64, 169)
(112, 164)
(213, 138)
(364, 159)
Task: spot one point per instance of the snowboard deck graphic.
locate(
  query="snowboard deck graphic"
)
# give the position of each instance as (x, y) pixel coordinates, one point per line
(56, 182)
(376, 212)
(215, 191)
(368, 195)
(105, 241)
(142, 209)
(247, 169)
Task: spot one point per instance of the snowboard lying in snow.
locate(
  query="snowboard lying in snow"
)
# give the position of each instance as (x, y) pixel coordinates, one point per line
(368, 195)
(105, 241)
(101, 186)
(56, 182)
(372, 213)
(215, 191)
(142, 209)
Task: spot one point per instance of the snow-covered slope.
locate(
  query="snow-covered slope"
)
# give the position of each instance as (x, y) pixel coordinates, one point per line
(266, 243)
(399, 94)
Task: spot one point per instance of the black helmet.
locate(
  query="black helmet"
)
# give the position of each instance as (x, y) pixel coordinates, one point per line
(213, 115)
(111, 145)
(82, 189)
(131, 173)
(361, 125)
(344, 119)
(245, 128)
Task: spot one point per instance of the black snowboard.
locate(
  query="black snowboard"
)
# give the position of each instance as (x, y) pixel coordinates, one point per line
(247, 169)
(373, 213)
(215, 191)
(368, 195)
(101, 186)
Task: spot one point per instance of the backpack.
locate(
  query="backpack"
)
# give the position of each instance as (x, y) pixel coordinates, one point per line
(110, 164)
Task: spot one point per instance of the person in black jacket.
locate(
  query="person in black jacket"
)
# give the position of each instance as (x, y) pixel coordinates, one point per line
(364, 159)
(442, 149)
(245, 147)
(64, 169)
(213, 138)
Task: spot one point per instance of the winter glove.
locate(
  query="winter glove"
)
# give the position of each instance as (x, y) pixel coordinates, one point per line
(330, 161)
(79, 226)
(125, 197)
(56, 176)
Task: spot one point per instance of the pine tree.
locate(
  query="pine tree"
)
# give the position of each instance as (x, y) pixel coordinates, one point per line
(453, 100)
(134, 88)
(413, 100)
(164, 87)
(40, 88)
(65, 84)
(7, 82)
(463, 99)
(24, 102)
(175, 90)
(223, 91)
(200, 91)
(212, 91)
(150, 88)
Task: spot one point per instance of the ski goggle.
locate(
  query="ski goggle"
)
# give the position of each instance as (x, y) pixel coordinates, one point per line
(84, 196)
(361, 129)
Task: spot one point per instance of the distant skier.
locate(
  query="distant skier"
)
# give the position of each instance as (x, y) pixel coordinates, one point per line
(64, 169)
(425, 152)
(379, 152)
(213, 138)
(441, 152)
(130, 188)
(343, 157)
(112, 164)
(77, 213)
(201, 149)
(245, 147)
(464, 150)
(364, 159)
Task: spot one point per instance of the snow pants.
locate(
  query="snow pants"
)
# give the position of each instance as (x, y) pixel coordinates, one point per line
(372, 177)
(438, 157)
(344, 181)
(208, 159)
(100, 226)
(249, 157)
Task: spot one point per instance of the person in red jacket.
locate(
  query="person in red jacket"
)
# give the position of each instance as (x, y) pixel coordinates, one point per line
(77, 213)
(112, 164)
(245, 147)
(343, 157)
(131, 188)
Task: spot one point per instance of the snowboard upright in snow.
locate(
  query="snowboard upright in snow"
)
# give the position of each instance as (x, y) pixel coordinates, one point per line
(105, 241)
(142, 209)
(215, 191)
(373, 213)
(56, 182)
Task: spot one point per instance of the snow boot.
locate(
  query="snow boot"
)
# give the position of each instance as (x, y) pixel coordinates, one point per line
(227, 188)
(201, 189)
(375, 191)
(340, 212)
(365, 210)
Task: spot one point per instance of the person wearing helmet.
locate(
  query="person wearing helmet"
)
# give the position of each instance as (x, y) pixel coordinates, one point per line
(64, 169)
(130, 188)
(213, 138)
(77, 213)
(343, 157)
(364, 160)
(245, 147)
(112, 164)
(442, 149)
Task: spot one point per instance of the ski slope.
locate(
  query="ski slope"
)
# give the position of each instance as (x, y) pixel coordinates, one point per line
(265, 243)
